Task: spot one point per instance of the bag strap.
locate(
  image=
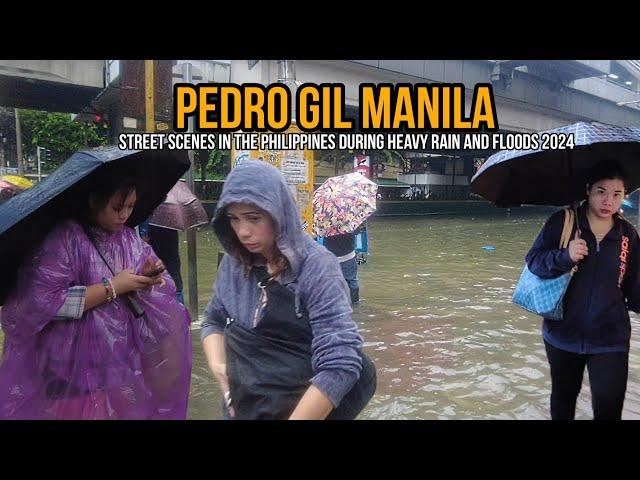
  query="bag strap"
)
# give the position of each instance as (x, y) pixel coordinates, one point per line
(95, 245)
(133, 305)
(565, 238)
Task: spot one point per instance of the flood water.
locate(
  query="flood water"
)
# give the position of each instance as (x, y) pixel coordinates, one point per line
(438, 322)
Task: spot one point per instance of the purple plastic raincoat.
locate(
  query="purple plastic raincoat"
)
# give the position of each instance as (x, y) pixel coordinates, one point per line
(106, 365)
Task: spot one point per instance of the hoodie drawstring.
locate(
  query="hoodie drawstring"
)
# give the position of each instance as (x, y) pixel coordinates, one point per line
(296, 297)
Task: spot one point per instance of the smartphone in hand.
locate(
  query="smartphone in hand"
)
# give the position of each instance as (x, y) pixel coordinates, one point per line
(156, 271)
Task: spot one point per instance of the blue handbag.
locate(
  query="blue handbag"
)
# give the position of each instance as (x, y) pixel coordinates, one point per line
(543, 296)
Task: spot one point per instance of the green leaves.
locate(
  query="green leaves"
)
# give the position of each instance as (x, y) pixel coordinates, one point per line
(58, 133)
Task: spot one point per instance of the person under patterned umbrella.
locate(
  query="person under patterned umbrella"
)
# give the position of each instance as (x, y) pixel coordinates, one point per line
(341, 204)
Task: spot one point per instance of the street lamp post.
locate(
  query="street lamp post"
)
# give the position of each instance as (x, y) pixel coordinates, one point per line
(39, 170)
(3, 142)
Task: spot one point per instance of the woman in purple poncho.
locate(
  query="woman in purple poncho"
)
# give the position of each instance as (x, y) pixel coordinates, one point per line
(72, 347)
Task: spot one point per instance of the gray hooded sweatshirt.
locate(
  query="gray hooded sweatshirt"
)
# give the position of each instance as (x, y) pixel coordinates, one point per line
(314, 276)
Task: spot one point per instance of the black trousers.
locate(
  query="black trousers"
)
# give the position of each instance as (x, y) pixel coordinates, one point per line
(608, 374)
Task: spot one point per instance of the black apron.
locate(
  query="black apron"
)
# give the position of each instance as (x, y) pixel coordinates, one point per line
(269, 366)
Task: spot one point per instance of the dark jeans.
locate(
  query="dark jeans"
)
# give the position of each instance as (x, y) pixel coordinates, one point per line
(350, 274)
(608, 374)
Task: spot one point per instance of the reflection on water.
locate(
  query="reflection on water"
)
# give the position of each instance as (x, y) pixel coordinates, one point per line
(438, 322)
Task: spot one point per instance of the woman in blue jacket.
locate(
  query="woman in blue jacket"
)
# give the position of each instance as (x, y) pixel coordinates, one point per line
(595, 330)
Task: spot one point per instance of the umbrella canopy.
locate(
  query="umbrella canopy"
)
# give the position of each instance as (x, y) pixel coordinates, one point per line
(180, 211)
(558, 177)
(341, 204)
(18, 181)
(8, 190)
(26, 218)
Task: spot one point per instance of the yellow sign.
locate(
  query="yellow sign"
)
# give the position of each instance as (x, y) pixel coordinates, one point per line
(296, 167)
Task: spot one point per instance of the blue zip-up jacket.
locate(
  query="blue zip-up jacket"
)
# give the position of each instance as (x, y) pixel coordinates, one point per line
(596, 317)
(314, 277)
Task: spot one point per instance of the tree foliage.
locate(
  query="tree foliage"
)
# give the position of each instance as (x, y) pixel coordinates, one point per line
(59, 133)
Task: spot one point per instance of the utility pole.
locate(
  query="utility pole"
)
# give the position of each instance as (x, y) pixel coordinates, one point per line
(3, 141)
(149, 93)
(191, 232)
(19, 143)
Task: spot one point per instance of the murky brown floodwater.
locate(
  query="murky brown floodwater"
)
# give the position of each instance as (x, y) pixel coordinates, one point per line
(438, 322)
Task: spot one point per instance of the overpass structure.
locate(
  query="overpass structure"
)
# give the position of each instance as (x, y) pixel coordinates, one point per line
(531, 95)
(51, 85)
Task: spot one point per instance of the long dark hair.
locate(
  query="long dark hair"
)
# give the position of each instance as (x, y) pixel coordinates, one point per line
(102, 186)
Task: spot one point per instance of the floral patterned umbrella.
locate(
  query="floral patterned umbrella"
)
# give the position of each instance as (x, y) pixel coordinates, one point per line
(341, 204)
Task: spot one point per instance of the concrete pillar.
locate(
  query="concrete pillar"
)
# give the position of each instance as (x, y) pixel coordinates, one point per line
(127, 111)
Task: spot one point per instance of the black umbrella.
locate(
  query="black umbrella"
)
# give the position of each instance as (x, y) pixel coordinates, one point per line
(558, 177)
(26, 218)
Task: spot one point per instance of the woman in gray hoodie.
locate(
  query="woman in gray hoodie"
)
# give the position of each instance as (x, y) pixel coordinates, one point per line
(278, 333)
